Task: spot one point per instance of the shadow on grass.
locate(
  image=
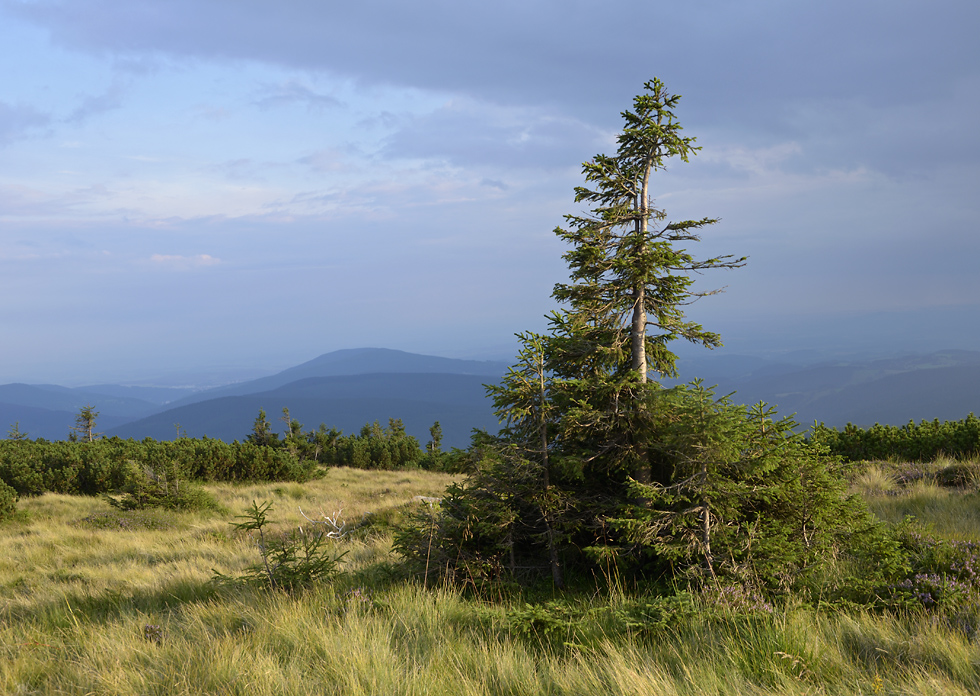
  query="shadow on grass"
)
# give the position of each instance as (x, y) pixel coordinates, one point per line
(75, 608)
(378, 576)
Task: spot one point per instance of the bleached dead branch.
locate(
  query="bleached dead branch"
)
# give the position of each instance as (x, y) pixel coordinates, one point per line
(336, 528)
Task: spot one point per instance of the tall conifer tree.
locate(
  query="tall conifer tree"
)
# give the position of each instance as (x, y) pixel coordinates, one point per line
(595, 457)
(579, 410)
(630, 273)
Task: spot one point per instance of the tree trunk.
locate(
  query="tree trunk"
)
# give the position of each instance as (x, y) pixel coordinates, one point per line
(556, 574)
(638, 333)
(638, 329)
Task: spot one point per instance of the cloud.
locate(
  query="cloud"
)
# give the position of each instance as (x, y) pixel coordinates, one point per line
(467, 133)
(494, 183)
(740, 159)
(384, 119)
(547, 51)
(94, 105)
(213, 113)
(910, 139)
(328, 160)
(17, 200)
(402, 149)
(182, 263)
(243, 169)
(762, 72)
(292, 92)
(17, 121)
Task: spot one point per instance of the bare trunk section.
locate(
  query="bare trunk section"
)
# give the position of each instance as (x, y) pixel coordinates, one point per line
(638, 330)
(638, 333)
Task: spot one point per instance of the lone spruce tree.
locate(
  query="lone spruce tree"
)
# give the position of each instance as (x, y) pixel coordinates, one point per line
(85, 424)
(597, 458)
(627, 271)
(579, 407)
(630, 281)
(579, 410)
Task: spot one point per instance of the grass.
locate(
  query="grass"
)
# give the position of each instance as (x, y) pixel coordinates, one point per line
(96, 601)
(945, 494)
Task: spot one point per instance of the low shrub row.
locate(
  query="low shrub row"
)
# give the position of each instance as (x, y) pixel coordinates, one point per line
(922, 442)
(374, 447)
(32, 467)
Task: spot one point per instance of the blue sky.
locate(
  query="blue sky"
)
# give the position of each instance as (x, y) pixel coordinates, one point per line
(241, 184)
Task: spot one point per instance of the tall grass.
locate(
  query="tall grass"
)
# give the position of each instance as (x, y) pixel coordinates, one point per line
(409, 641)
(92, 603)
(944, 494)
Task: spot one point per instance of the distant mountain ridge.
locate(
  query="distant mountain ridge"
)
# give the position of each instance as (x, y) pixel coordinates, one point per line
(348, 388)
(49, 410)
(345, 402)
(355, 361)
(344, 389)
(55, 398)
(943, 385)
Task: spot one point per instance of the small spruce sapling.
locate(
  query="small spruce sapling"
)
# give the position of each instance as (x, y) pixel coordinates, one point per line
(290, 562)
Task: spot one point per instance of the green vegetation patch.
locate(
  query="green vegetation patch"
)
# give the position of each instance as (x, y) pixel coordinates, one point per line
(8, 501)
(917, 442)
(130, 520)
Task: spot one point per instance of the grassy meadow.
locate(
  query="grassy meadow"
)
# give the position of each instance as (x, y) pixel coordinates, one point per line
(94, 600)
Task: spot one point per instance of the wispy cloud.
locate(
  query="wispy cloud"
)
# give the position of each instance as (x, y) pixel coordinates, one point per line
(293, 92)
(18, 200)
(467, 132)
(16, 121)
(329, 160)
(178, 262)
(752, 161)
(495, 183)
(94, 105)
(214, 113)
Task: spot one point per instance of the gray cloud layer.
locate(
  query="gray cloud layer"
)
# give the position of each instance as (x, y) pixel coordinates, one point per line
(841, 152)
(886, 72)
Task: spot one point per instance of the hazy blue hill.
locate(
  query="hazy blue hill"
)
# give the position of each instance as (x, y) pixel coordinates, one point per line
(448, 388)
(356, 361)
(805, 384)
(345, 402)
(46, 423)
(427, 388)
(348, 388)
(945, 358)
(157, 396)
(714, 366)
(54, 398)
(946, 393)
(944, 385)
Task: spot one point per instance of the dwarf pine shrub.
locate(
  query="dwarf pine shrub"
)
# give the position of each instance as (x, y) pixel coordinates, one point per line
(8, 501)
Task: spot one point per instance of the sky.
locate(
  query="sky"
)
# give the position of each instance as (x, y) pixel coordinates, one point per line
(242, 185)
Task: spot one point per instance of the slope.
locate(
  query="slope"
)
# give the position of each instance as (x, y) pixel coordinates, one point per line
(944, 385)
(345, 402)
(355, 361)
